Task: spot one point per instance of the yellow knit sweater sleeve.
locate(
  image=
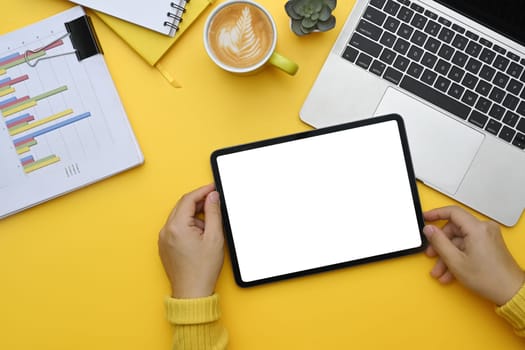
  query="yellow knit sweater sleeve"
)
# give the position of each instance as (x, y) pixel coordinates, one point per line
(196, 322)
(514, 312)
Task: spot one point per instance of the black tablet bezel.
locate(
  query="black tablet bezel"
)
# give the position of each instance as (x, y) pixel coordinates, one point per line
(302, 135)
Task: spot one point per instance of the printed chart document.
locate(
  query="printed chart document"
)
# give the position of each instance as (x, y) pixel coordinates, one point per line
(62, 124)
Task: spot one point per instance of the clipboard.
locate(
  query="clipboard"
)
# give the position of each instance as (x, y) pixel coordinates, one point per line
(319, 200)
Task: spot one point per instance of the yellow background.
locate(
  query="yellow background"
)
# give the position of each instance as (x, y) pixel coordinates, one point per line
(82, 271)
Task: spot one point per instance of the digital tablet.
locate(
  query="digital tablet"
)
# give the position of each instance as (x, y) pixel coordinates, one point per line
(319, 200)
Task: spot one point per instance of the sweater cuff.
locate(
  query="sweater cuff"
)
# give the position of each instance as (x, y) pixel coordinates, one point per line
(514, 310)
(193, 311)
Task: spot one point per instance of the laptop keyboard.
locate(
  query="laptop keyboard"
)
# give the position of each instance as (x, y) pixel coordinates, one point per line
(443, 63)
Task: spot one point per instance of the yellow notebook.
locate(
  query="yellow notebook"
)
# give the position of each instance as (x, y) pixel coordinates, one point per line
(149, 44)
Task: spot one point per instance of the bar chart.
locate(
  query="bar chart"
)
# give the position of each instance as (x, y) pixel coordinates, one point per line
(25, 126)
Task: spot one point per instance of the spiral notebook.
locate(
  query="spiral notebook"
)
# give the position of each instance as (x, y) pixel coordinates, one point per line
(162, 16)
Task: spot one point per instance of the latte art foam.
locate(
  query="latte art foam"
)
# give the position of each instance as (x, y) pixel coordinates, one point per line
(240, 35)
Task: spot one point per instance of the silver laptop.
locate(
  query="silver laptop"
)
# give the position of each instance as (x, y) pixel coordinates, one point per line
(454, 70)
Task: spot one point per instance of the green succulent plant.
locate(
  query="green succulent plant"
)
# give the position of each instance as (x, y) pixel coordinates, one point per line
(311, 15)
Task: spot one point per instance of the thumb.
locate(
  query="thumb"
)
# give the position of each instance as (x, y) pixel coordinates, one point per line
(446, 250)
(212, 214)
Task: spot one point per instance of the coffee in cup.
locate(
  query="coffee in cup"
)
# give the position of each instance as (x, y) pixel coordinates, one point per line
(240, 37)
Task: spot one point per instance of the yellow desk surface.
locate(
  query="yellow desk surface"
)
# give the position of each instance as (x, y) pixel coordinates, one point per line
(82, 271)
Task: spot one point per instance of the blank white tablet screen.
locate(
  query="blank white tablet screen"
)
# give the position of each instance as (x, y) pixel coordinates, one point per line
(319, 201)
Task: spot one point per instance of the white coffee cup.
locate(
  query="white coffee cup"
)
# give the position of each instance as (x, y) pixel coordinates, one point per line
(240, 37)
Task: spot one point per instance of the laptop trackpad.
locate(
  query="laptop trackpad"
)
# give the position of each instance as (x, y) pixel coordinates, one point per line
(442, 148)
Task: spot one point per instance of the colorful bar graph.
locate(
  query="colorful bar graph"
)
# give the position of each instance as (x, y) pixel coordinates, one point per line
(12, 82)
(23, 103)
(17, 58)
(35, 165)
(22, 128)
(20, 120)
(54, 127)
(6, 91)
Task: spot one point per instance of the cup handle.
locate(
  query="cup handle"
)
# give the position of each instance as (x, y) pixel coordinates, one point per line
(283, 63)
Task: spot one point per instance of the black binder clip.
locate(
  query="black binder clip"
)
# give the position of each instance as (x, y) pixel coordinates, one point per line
(83, 38)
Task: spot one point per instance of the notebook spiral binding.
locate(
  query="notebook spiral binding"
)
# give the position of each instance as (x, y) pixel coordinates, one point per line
(179, 9)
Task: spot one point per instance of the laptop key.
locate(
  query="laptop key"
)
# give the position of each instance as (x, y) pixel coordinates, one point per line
(391, 24)
(506, 133)
(487, 56)
(471, 35)
(415, 53)
(514, 70)
(483, 88)
(432, 28)
(401, 63)
(446, 35)
(469, 98)
(442, 67)
(431, 14)
(388, 39)
(391, 7)
(459, 59)
(350, 54)
(473, 65)
(499, 49)
(429, 60)
(501, 63)
(444, 21)
(493, 126)
(473, 49)
(446, 52)
(470, 81)
(485, 42)
(497, 95)
(405, 14)
(419, 21)
(511, 119)
(429, 77)
(519, 141)
(375, 16)
(388, 56)
(377, 67)
(460, 42)
(363, 60)
(378, 3)
(416, 7)
(501, 80)
(497, 112)
(478, 119)
(483, 105)
(366, 45)
(401, 46)
(456, 91)
(415, 70)
(435, 97)
(487, 73)
(511, 102)
(432, 45)
(458, 28)
(442, 84)
(405, 31)
(393, 75)
(456, 74)
(418, 38)
(513, 56)
(369, 30)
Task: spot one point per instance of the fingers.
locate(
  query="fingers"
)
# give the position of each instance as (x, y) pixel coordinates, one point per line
(212, 211)
(442, 245)
(190, 204)
(463, 222)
